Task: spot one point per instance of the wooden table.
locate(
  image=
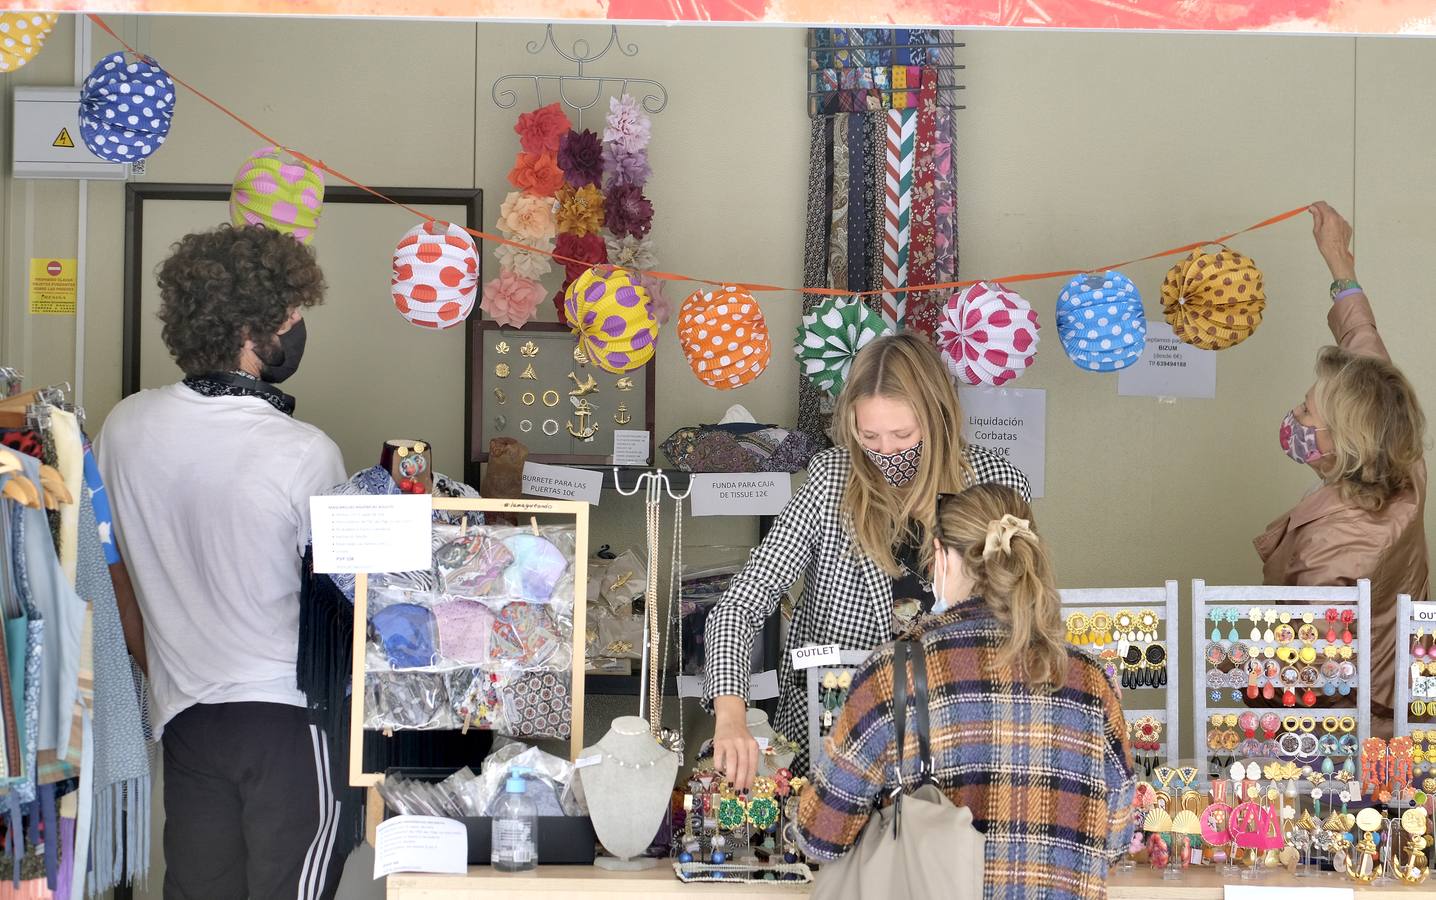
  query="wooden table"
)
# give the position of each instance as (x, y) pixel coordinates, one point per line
(585, 882)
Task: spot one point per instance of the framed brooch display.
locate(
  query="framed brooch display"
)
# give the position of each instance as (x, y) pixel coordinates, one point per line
(535, 385)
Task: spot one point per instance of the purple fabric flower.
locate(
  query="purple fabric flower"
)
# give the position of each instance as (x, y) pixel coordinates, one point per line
(627, 127)
(628, 212)
(580, 155)
(625, 169)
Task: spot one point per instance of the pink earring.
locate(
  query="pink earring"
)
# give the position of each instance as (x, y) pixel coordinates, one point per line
(1419, 651)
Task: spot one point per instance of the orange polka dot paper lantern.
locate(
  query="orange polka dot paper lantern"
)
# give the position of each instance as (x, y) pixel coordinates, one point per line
(436, 275)
(724, 337)
(1213, 300)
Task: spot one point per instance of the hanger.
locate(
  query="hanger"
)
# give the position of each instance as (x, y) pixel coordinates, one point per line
(56, 494)
(18, 488)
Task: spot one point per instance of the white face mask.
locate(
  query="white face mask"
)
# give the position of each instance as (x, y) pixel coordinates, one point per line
(939, 595)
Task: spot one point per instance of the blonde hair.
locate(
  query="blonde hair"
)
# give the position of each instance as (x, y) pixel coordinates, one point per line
(1375, 424)
(901, 367)
(1012, 573)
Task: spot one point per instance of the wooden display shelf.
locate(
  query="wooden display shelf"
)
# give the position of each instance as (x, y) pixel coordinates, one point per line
(584, 882)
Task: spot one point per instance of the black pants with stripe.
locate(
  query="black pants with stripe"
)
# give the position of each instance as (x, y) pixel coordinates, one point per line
(249, 808)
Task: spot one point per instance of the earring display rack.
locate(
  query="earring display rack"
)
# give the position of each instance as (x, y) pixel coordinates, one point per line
(1415, 628)
(828, 700)
(1288, 683)
(1151, 694)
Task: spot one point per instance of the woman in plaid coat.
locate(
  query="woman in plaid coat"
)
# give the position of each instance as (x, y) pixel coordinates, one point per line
(854, 533)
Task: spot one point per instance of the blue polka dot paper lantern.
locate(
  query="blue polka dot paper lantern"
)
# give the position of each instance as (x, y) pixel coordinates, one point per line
(125, 108)
(1101, 323)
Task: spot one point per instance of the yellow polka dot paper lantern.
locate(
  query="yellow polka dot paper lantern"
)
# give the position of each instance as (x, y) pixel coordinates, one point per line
(279, 192)
(21, 34)
(609, 310)
(1214, 300)
(436, 275)
(724, 337)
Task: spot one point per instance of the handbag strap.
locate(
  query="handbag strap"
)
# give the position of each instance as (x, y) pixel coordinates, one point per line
(912, 653)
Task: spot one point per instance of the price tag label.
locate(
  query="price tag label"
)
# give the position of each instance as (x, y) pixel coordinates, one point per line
(583, 762)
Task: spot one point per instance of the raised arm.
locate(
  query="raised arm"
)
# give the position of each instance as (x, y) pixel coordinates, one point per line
(1351, 320)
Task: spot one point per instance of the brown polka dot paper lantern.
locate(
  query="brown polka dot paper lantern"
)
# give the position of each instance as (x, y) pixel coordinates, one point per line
(21, 35)
(436, 275)
(724, 337)
(1213, 300)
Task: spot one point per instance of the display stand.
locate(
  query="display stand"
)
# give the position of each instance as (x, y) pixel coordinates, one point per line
(1296, 601)
(524, 510)
(850, 660)
(1164, 602)
(1410, 616)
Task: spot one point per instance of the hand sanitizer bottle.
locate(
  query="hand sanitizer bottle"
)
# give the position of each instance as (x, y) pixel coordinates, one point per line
(514, 844)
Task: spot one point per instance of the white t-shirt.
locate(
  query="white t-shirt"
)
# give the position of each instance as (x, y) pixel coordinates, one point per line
(210, 497)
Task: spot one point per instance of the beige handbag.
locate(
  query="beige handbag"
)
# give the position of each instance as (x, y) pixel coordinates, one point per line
(921, 846)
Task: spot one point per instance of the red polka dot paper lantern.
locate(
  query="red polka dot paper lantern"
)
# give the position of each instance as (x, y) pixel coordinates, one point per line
(436, 275)
(987, 334)
(724, 337)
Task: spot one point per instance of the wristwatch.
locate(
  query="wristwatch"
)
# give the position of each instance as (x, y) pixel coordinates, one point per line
(1343, 284)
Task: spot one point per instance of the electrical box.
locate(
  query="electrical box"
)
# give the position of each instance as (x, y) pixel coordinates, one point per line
(47, 138)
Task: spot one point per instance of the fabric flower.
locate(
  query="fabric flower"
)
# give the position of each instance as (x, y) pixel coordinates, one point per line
(511, 299)
(631, 252)
(580, 155)
(537, 174)
(587, 251)
(580, 210)
(526, 263)
(658, 303)
(558, 300)
(527, 217)
(628, 126)
(624, 169)
(541, 131)
(628, 212)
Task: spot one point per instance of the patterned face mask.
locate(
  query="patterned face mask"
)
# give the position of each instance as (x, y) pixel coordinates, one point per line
(1299, 441)
(898, 468)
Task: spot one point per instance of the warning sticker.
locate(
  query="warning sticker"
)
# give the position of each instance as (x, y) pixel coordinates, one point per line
(53, 287)
(63, 139)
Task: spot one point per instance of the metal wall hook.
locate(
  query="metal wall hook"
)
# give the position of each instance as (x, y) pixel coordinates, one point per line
(656, 484)
(581, 53)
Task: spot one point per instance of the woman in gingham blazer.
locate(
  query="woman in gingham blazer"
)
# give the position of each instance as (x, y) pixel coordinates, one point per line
(855, 532)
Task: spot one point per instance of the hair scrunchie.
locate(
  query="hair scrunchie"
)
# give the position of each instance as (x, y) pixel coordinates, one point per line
(1000, 533)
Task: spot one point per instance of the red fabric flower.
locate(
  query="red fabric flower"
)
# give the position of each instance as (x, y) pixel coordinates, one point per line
(541, 131)
(627, 211)
(589, 250)
(580, 155)
(536, 173)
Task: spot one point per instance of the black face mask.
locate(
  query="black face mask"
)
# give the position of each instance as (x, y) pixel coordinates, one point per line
(281, 358)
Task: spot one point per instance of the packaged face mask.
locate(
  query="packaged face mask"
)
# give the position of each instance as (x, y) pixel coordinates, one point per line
(406, 632)
(624, 582)
(470, 565)
(536, 569)
(465, 628)
(526, 636)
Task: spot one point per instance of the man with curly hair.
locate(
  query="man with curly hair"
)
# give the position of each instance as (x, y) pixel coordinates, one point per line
(210, 479)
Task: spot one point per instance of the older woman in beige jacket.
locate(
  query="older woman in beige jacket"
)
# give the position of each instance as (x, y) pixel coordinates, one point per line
(1362, 430)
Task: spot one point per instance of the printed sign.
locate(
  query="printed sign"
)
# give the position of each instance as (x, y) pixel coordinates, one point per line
(630, 448)
(371, 534)
(1169, 368)
(1012, 423)
(1423, 612)
(824, 655)
(759, 494)
(562, 483)
(53, 287)
(421, 844)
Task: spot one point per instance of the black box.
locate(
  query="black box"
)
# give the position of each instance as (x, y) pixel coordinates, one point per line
(562, 840)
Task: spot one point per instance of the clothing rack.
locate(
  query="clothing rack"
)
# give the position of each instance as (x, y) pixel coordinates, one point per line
(654, 99)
